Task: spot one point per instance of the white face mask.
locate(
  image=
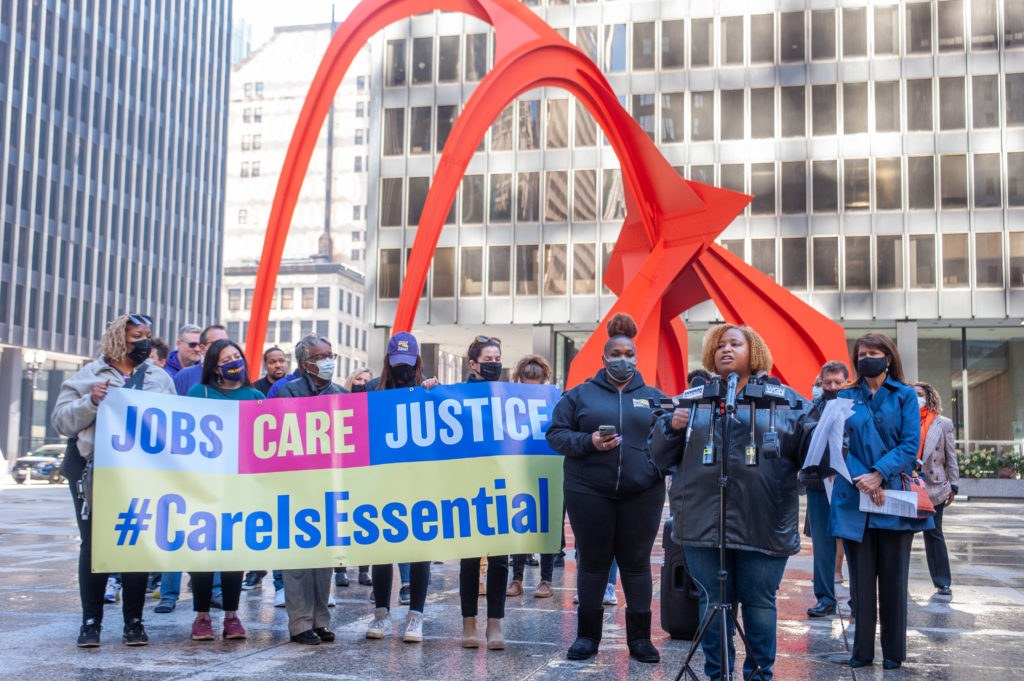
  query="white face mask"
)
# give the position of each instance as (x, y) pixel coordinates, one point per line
(324, 369)
(921, 402)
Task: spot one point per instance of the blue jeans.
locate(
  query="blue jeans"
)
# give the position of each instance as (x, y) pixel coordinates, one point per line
(824, 547)
(278, 580)
(403, 573)
(753, 580)
(613, 572)
(170, 585)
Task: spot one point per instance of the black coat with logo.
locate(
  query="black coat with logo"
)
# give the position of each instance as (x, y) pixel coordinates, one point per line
(621, 472)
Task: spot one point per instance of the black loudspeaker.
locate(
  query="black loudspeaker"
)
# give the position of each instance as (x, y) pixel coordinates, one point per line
(680, 607)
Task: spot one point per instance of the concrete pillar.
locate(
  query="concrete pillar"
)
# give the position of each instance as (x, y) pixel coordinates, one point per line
(11, 374)
(906, 342)
(377, 338)
(543, 340)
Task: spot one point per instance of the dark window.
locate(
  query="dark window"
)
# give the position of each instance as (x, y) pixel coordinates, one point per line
(419, 129)
(921, 180)
(988, 259)
(762, 256)
(857, 263)
(919, 104)
(825, 191)
(794, 187)
(985, 100)
(672, 54)
(762, 101)
(702, 112)
(951, 25)
(922, 260)
(418, 187)
(643, 46)
(823, 99)
(448, 58)
(762, 186)
(446, 116)
(955, 263)
(953, 169)
(473, 199)
(889, 261)
(390, 273)
(887, 106)
(1014, 99)
(793, 111)
(444, 273)
(762, 38)
(951, 103)
(826, 262)
(823, 34)
(701, 31)
(391, 202)
(794, 262)
(733, 114)
(422, 60)
(855, 108)
(791, 36)
(856, 184)
(984, 31)
(919, 27)
(476, 57)
(394, 69)
(887, 31)
(323, 298)
(732, 41)
(987, 188)
(855, 32)
(394, 131)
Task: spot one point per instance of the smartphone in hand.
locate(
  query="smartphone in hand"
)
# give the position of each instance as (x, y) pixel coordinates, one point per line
(605, 431)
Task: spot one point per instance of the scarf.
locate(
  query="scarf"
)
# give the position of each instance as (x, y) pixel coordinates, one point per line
(927, 416)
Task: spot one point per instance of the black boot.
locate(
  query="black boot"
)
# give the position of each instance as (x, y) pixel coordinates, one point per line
(638, 636)
(588, 634)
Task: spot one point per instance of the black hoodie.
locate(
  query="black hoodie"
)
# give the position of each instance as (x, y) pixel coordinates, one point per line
(621, 472)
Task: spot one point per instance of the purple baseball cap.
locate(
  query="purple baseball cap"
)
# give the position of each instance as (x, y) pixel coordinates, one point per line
(403, 349)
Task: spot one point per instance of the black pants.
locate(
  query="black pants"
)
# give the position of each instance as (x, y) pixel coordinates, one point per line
(469, 585)
(202, 590)
(91, 585)
(935, 552)
(547, 566)
(419, 580)
(879, 566)
(623, 529)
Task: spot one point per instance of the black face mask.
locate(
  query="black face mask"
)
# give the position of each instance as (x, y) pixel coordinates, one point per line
(140, 350)
(490, 371)
(829, 394)
(870, 367)
(361, 388)
(620, 369)
(404, 374)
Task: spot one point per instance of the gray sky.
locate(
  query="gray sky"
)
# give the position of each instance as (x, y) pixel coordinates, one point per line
(264, 15)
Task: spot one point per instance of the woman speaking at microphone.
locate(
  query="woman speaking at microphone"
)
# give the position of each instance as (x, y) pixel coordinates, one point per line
(761, 500)
(613, 493)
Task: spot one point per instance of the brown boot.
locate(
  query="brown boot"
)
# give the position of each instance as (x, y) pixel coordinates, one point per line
(544, 590)
(495, 636)
(469, 637)
(515, 589)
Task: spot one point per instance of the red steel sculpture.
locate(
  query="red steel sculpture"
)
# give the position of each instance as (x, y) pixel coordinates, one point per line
(665, 260)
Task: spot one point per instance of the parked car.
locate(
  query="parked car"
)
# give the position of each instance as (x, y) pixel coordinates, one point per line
(42, 464)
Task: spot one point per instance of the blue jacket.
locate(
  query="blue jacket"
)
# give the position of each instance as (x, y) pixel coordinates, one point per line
(173, 365)
(188, 377)
(890, 449)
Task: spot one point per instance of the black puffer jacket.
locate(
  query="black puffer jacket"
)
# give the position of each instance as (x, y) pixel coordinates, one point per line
(762, 505)
(620, 472)
(303, 386)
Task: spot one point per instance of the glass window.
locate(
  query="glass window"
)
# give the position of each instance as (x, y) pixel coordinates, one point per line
(615, 48)
(857, 262)
(922, 261)
(735, 246)
(672, 105)
(528, 197)
(394, 68)
(422, 60)
(556, 196)
(586, 40)
(391, 202)
(732, 41)
(418, 187)
(394, 131)
(443, 283)
(471, 281)
(951, 103)
(793, 111)
(732, 177)
(826, 262)
(823, 100)
(613, 202)
(447, 58)
(983, 24)
(825, 190)
(794, 187)
(390, 273)
(704, 174)
(501, 197)
(558, 123)
(672, 37)
(702, 115)
(1013, 24)
(887, 106)
(446, 115)
(794, 262)
(762, 186)
(919, 104)
(499, 270)
(643, 46)
(951, 25)
(501, 130)
(1015, 179)
(419, 129)
(554, 269)
(855, 108)
(887, 31)
(762, 256)
(856, 184)
(855, 32)
(701, 31)
(476, 57)
(472, 199)
(584, 196)
(954, 261)
(584, 269)
(889, 261)
(285, 332)
(762, 100)
(529, 124)
(586, 127)
(527, 269)
(988, 259)
(762, 38)
(323, 298)
(1014, 99)
(287, 298)
(953, 177)
(823, 34)
(235, 299)
(791, 36)
(1016, 259)
(987, 188)
(643, 112)
(733, 114)
(919, 27)
(985, 99)
(921, 180)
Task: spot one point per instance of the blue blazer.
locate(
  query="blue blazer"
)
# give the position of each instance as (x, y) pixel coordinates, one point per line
(890, 449)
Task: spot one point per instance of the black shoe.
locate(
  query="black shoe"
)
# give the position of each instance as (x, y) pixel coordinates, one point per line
(324, 634)
(891, 664)
(253, 580)
(405, 595)
(89, 635)
(943, 591)
(153, 583)
(135, 633)
(582, 649)
(532, 560)
(642, 650)
(308, 637)
(365, 579)
(165, 605)
(341, 578)
(560, 560)
(857, 664)
(638, 636)
(821, 610)
(217, 602)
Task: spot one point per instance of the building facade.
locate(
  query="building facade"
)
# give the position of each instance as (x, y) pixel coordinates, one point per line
(112, 128)
(883, 143)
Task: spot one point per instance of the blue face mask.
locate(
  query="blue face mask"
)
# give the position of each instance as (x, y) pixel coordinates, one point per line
(233, 370)
(816, 392)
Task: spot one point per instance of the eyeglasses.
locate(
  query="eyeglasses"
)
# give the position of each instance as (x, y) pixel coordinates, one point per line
(320, 358)
(193, 345)
(485, 340)
(140, 319)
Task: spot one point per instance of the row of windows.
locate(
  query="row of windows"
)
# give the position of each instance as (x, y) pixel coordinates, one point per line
(250, 115)
(252, 88)
(849, 260)
(823, 110)
(850, 185)
(252, 142)
(757, 39)
(282, 332)
(310, 298)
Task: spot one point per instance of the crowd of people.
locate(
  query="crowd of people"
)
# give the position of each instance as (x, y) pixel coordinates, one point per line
(617, 453)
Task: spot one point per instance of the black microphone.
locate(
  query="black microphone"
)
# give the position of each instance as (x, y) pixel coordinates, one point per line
(730, 392)
(685, 401)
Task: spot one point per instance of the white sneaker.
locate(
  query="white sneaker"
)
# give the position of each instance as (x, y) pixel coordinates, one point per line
(112, 594)
(413, 627)
(279, 598)
(609, 595)
(576, 597)
(330, 601)
(381, 624)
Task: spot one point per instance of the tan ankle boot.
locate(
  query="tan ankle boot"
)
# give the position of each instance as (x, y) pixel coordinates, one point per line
(515, 589)
(495, 637)
(469, 637)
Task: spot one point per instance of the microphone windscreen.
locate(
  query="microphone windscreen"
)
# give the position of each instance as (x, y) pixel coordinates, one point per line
(698, 381)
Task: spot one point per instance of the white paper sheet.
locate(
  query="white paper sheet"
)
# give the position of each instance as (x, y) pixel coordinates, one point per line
(897, 502)
(829, 431)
